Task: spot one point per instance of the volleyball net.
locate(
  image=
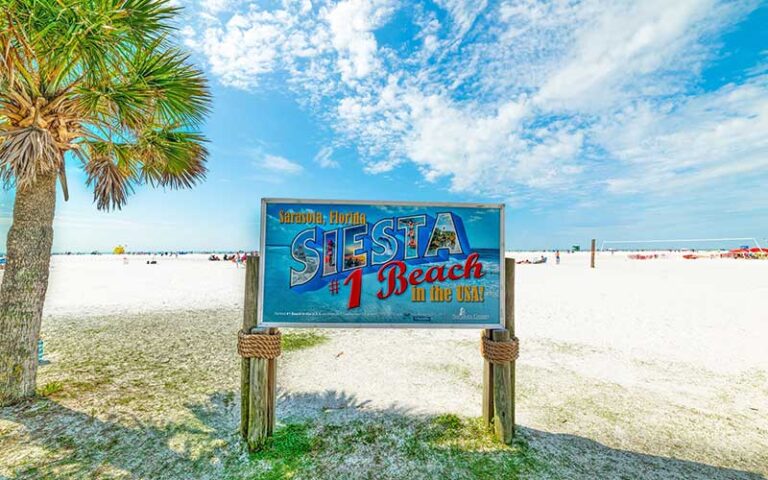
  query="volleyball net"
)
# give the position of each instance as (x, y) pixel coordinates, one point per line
(681, 244)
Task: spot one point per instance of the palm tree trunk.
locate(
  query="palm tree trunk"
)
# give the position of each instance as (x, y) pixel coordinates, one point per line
(23, 290)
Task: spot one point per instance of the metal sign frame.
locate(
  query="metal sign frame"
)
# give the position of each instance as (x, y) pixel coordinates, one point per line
(262, 263)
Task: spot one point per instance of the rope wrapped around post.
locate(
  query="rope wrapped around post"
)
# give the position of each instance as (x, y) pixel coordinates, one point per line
(259, 345)
(500, 351)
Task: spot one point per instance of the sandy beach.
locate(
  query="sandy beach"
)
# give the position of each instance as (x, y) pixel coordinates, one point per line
(637, 369)
(704, 312)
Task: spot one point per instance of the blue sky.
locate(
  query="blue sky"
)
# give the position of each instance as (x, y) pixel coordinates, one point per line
(615, 120)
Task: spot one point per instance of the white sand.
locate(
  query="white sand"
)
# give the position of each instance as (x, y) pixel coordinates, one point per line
(709, 312)
(103, 284)
(712, 313)
(663, 357)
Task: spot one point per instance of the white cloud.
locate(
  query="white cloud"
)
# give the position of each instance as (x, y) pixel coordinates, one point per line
(697, 140)
(463, 14)
(511, 99)
(254, 42)
(324, 158)
(351, 24)
(625, 51)
(213, 7)
(278, 164)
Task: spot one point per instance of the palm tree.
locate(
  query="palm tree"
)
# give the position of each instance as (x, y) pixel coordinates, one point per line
(90, 82)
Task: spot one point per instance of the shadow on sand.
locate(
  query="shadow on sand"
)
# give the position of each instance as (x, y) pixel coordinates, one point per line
(48, 440)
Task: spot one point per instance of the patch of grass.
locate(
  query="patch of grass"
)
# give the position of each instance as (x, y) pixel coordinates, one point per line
(385, 448)
(78, 387)
(289, 442)
(293, 341)
(286, 452)
(442, 428)
(369, 433)
(49, 389)
(454, 444)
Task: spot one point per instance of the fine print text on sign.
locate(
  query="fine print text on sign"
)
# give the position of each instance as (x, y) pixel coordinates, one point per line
(378, 264)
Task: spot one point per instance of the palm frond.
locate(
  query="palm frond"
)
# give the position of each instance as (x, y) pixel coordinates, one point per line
(173, 159)
(124, 103)
(178, 88)
(100, 79)
(27, 153)
(111, 185)
(88, 33)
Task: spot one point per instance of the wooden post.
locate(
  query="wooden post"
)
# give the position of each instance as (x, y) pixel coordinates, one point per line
(592, 261)
(272, 390)
(487, 386)
(250, 308)
(509, 323)
(499, 379)
(262, 399)
(503, 395)
(258, 375)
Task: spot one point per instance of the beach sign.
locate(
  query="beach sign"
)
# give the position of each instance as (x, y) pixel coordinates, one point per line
(381, 264)
(348, 263)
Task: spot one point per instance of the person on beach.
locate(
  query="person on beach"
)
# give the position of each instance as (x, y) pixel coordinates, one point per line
(557, 257)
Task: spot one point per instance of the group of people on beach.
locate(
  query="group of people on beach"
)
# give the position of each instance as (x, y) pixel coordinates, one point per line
(540, 260)
(237, 258)
(536, 261)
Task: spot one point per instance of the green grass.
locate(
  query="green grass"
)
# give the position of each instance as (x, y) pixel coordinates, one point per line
(287, 452)
(468, 446)
(49, 389)
(391, 447)
(293, 341)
